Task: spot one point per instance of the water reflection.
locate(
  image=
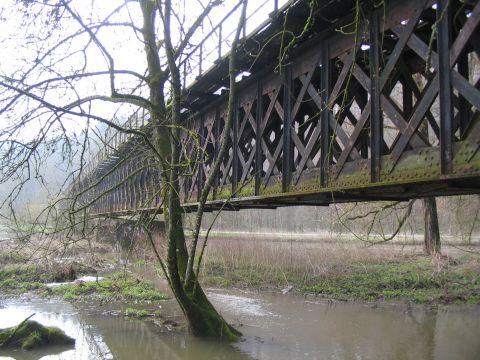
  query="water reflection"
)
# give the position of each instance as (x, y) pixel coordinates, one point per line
(55, 352)
(105, 337)
(88, 342)
(149, 343)
(305, 329)
(275, 327)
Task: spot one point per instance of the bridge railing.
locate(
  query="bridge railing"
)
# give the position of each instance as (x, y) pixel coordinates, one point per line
(216, 42)
(113, 141)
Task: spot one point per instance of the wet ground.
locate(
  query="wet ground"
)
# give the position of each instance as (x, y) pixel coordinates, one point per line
(275, 326)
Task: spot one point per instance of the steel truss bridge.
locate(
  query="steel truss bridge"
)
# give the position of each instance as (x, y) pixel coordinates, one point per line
(391, 113)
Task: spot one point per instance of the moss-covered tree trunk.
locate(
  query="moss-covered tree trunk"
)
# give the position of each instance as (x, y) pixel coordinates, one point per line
(202, 317)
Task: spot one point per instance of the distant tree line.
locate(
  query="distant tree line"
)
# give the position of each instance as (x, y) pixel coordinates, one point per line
(458, 217)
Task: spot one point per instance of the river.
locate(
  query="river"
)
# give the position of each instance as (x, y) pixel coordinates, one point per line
(275, 326)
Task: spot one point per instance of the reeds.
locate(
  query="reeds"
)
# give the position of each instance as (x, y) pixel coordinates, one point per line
(262, 263)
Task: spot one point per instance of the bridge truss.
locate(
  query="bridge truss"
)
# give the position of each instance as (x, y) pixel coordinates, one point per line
(384, 108)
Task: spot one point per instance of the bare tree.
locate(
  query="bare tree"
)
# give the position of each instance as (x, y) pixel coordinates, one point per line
(374, 223)
(75, 69)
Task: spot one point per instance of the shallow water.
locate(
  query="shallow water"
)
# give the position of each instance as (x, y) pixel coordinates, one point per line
(297, 328)
(275, 326)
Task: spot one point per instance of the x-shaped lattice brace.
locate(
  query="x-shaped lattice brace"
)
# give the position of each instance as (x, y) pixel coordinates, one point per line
(467, 90)
(335, 124)
(248, 118)
(148, 187)
(404, 33)
(225, 176)
(195, 169)
(305, 150)
(405, 77)
(209, 139)
(272, 158)
(190, 176)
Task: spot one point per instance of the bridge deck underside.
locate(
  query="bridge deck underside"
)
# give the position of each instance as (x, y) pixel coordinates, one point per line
(390, 114)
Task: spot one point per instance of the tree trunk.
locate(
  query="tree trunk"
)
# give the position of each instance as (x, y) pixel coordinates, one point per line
(432, 243)
(203, 319)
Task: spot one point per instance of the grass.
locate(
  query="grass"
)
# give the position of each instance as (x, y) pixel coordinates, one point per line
(343, 272)
(139, 263)
(16, 279)
(414, 279)
(114, 287)
(14, 287)
(336, 271)
(141, 313)
(11, 257)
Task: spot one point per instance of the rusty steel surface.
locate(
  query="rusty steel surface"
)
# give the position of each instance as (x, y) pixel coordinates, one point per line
(392, 113)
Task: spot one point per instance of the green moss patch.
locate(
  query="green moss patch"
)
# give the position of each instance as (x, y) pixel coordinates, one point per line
(137, 313)
(30, 334)
(118, 286)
